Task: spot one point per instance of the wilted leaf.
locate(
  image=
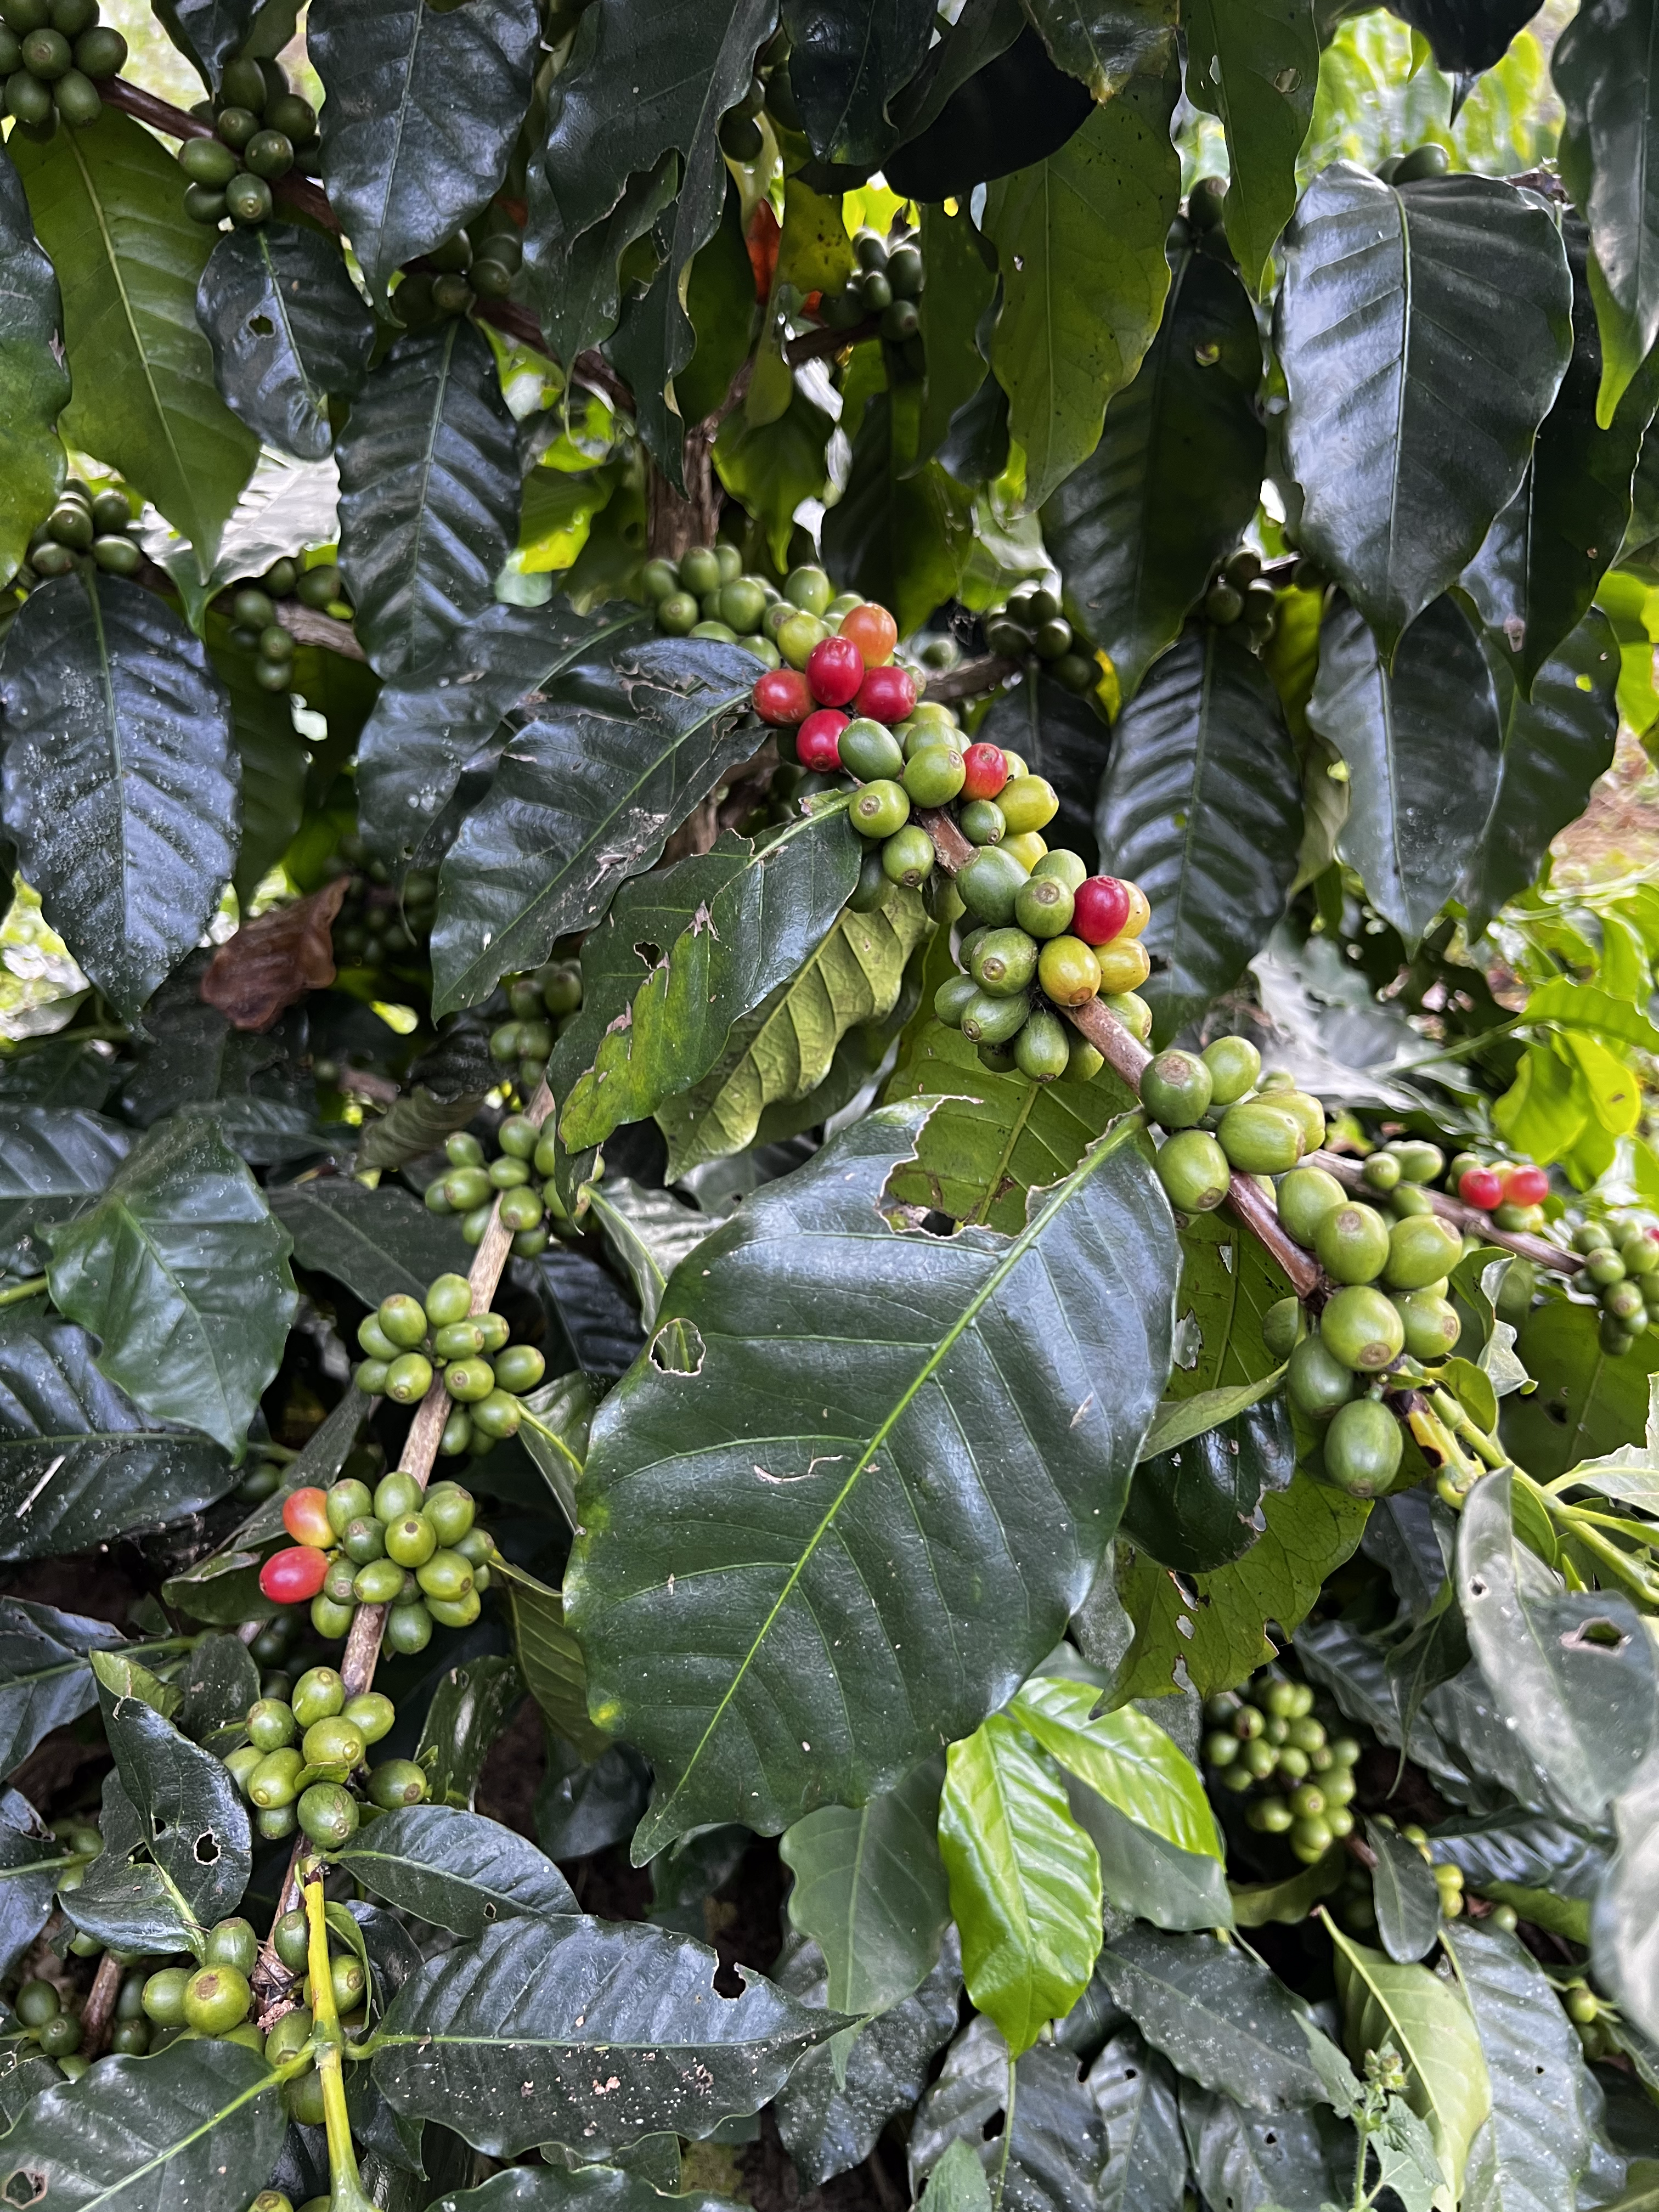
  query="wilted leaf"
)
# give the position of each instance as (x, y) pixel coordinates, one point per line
(274, 959)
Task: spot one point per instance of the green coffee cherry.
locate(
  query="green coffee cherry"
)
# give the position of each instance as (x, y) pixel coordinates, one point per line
(270, 1724)
(1260, 1137)
(291, 1940)
(395, 1495)
(1317, 1382)
(408, 1629)
(1305, 1196)
(1042, 1050)
(990, 884)
(1362, 1330)
(1235, 1066)
(1042, 906)
(1193, 1171)
(1421, 1249)
(377, 1583)
(217, 2000)
(274, 1781)
(1432, 1324)
(318, 1694)
(371, 1714)
(450, 1510)
(232, 1943)
(994, 1020)
(348, 1501)
(37, 2003)
(1363, 1450)
(1175, 1089)
(1004, 962)
(1283, 1326)
(398, 1781)
(1420, 1160)
(1352, 1244)
(328, 1815)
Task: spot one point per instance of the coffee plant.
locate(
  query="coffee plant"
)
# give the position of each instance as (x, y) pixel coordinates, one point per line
(829, 1239)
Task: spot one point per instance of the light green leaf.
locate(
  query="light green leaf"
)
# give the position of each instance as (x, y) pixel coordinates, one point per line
(773, 466)
(567, 1406)
(1583, 1006)
(1255, 63)
(550, 1660)
(1180, 1420)
(1123, 1755)
(1024, 1881)
(1586, 1403)
(1079, 240)
(869, 1889)
(649, 1232)
(34, 384)
(108, 207)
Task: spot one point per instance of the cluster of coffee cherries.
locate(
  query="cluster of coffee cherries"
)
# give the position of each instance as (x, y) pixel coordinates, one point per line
(84, 525)
(290, 1939)
(380, 924)
(1512, 1191)
(53, 54)
(1032, 627)
(887, 283)
(1240, 598)
(522, 1176)
(470, 265)
(412, 1341)
(707, 594)
(303, 1753)
(1621, 1269)
(1224, 1114)
(423, 1554)
(1265, 1743)
(538, 1007)
(251, 606)
(261, 126)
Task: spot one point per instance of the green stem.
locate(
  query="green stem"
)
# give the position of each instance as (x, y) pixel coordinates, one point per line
(1466, 1045)
(1467, 1428)
(18, 1292)
(1007, 2135)
(346, 2188)
(1361, 2197)
(541, 1429)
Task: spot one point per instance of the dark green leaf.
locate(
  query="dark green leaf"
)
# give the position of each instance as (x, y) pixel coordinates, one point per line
(1405, 451)
(178, 1805)
(287, 328)
(181, 1272)
(1056, 2150)
(1586, 1403)
(471, 1705)
(589, 2189)
(549, 1656)
(455, 1870)
(870, 1888)
(898, 534)
(779, 1055)
(415, 1124)
(1199, 1506)
(1556, 745)
(1422, 746)
(961, 287)
(1436, 1651)
(1079, 240)
(1536, 574)
(649, 1232)
(1536, 2143)
(30, 1857)
(1257, 1904)
(1294, 2162)
(847, 59)
(1142, 1872)
(772, 466)
(988, 100)
(1174, 481)
(957, 2183)
(1528, 1851)
(1624, 1920)
(979, 1349)
(581, 2030)
(108, 209)
(1466, 36)
(45, 1679)
(566, 1406)
(1428, 2023)
(79, 1463)
(1256, 66)
(1104, 42)
(119, 744)
(61, 1070)
(428, 490)
(421, 105)
(1202, 805)
(188, 2127)
(34, 381)
(585, 795)
(723, 929)
(1134, 2093)
(377, 1242)
(573, 283)
(58, 1152)
(1407, 1898)
(828, 2127)
(1059, 735)
(272, 758)
(1216, 2013)
(1573, 1671)
(1602, 72)
(217, 1684)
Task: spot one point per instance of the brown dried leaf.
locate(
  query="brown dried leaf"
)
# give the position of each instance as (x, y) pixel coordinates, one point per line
(275, 960)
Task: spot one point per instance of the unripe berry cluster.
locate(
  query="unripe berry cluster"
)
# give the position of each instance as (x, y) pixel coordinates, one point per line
(522, 1176)
(53, 54)
(420, 1552)
(888, 282)
(260, 127)
(469, 266)
(540, 1006)
(1265, 1744)
(304, 1752)
(85, 524)
(1241, 597)
(1621, 1271)
(1032, 627)
(253, 605)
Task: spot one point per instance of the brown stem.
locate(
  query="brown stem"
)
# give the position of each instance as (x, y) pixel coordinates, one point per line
(1127, 1057)
(99, 2010)
(817, 345)
(1351, 1174)
(969, 677)
(306, 626)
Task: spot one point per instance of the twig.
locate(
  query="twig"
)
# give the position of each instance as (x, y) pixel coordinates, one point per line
(817, 345)
(100, 2008)
(307, 626)
(969, 677)
(1538, 1249)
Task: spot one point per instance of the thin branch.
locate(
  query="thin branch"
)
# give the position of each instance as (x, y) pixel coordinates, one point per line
(307, 626)
(969, 678)
(1542, 1254)
(99, 2010)
(818, 345)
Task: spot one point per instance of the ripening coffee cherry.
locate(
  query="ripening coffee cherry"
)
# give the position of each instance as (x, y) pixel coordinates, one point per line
(1175, 1089)
(1421, 1249)
(1318, 1383)
(1305, 1197)
(1363, 1449)
(1193, 1171)
(216, 1999)
(1261, 1138)
(1362, 1330)
(1352, 1242)
(291, 1577)
(319, 1695)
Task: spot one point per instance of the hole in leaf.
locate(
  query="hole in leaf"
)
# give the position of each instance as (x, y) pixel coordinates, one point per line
(678, 1348)
(262, 327)
(993, 2128)
(489, 1912)
(1599, 1635)
(206, 1849)
(1477, 1587)
(21, 2187)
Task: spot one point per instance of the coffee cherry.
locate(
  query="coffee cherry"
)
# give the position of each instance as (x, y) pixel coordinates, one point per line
(1069, 970)
(1363, 1448)
(270, 1724)
(37, 2003)
(1044, 906)
(990, 884)
(290, 1577)
(216, 1999)
(1041, 1049)
(1124, 965)
(1261, 1138)
(328, 1815)
(305, 1515)
(1352, 1244)
(1174, 1090)
(874, 632)
(985, 771)
(1527, 1185)
(1318, 1383)
(1101, 909)
(232, 1943)
(1481, 1187)
(335, 1742)
(835, 670)
(885, 695)
(1421, 1249)
(408, 1629)
(1432, 1324)
(1193, 1171)
(319, 1695)
(398, 1781)
(1362, 1330)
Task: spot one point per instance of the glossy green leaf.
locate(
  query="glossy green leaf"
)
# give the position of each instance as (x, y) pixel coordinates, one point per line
(1405, 1894)
(214, 1689)
(649, 1233)
(1255, 63)
(1574, 1673)
(574, 282)
(1024, 1881)
(108, 209)
(1296, 2160)
(405, 160)
(416, 1123)
(1257, 1904)
(429, 493)
(34, 383)
(377, 1242)
(1602, 72)
(1104, 42)
(188, 2126)
(1403, 455)
(182, 1273)
(1217, 1625)
(1428, 2022)
(469, 1709)
(1216, 2012)
(773, 466)
(1174, 481)
(79, 1463)
(899, 533)
(869, 1889)
(1144, 1875)
(119, 744)
(722, 1655)
(957, 2183)
(1536, 2143)
(1056, 2145)
(1134, 2093)
(1122, 1755)
(455, 1870)
(45, 1679)
(1229, 1284)
(783, 1051)
(1079, 240)
(961, 287)
(58, 1152)
(1202, 805)
(1195, 1504)
(30, 1860)
(287, 328)
(550, 1660)
(426, 729)
(1556, 745)
(585, 794)
(176, 1805)
(1423, 746)
(567, 1406)
(1624, 1920)
(585, 2030)
(847, 61)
